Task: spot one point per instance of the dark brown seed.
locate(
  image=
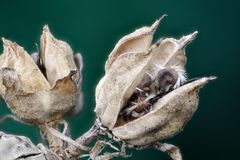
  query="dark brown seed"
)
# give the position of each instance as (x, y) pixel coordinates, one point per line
(166, 79)
(145, 83)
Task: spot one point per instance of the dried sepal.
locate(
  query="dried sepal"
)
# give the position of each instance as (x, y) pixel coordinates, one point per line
(56, 56)
(178, 60)
(118, 85)
(126, 62)
(141, 97)
(16, 58)
(43, 87)
(138, 41)
(120, 81)
(167, 118)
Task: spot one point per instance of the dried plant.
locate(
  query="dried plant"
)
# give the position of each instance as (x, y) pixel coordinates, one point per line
(143, 98)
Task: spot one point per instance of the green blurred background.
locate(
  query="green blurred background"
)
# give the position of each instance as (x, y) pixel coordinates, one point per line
(94, 27)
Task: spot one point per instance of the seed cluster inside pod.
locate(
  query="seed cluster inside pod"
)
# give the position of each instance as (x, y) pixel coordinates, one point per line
(164, 74)
(137, 72)
(148, 92)
(145, 96)
(169, 115)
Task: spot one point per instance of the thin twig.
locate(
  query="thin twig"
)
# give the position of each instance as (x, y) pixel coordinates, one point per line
(66, 128)
(85, 139)
(67, 139)
(90, 135)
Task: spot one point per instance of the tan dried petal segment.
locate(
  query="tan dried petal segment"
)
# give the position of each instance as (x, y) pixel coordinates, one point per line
(170, 52)
(124, 69)
(178, 60)
(118, 85)
(57, 57)
(30, 77)
(168, 117)
(138, 41)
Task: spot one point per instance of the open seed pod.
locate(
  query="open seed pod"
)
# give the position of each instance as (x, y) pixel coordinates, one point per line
(144, 95)
(43, 87)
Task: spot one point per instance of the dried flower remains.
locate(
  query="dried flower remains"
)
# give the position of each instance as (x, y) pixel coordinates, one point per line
(44, 86)
(145, 95)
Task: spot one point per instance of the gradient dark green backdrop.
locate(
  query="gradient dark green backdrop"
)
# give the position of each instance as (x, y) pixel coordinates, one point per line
(93, 28)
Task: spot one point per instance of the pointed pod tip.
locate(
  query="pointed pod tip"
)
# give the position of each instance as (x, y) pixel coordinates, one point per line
(193, 35)
(11, 47)
(46, 32)
(7, 42)
(205, 80)
(210, 78)
(162, 17)
(197, 83)
(157, 22)
(185, 40)
(3, 39)
(46, 28)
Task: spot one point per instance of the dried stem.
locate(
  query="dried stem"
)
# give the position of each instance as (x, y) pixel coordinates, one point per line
(90, 135)
(85, 139)
(55, 143)
(58, 151)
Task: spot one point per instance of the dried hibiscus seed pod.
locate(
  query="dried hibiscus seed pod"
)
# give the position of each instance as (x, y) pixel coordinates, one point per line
(144, 95)
(41, 88)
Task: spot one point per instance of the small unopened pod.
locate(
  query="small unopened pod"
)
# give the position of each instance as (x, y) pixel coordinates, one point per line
(43, 87)
(167, 108)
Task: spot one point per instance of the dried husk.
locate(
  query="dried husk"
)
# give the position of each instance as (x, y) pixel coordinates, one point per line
(57, 57)
(168, 117)
(170, 52)
(128, 62)
(31, 96)
(127, 69)
(138, 41)
(16, 58)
